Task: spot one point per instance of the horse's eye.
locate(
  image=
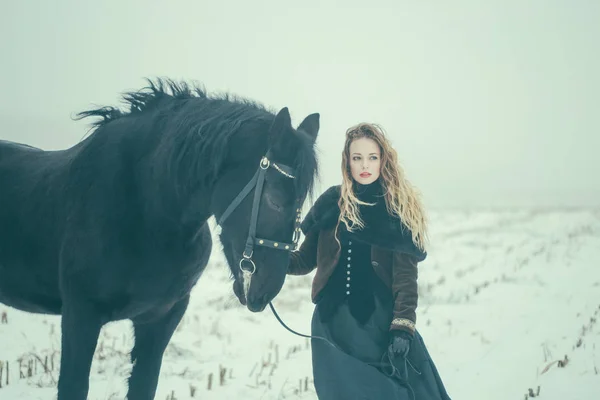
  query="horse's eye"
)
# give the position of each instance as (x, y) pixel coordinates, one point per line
(272, 204)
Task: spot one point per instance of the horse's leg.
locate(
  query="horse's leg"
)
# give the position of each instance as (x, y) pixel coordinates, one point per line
(80, 329)
(151, 339)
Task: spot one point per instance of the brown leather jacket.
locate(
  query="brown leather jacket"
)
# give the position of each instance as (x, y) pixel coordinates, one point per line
(397, 270)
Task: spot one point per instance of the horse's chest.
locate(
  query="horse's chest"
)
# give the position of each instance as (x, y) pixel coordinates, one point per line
(183, 282)
(149, 278)
(153, 288)
(161, 277)
(171, 274)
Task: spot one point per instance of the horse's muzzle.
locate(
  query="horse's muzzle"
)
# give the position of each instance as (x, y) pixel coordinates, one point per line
(257, 305)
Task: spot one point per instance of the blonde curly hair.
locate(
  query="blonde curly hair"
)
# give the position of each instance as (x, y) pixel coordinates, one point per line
(401, 197)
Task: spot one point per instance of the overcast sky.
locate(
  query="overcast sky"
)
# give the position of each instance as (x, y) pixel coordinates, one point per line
(489, 103)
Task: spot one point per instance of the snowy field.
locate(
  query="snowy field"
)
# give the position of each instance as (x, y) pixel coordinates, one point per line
(509, 303)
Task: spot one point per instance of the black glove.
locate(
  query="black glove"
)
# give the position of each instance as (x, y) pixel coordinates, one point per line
(399, 343)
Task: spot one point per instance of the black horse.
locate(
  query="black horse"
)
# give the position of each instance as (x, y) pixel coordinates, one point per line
(116, 226)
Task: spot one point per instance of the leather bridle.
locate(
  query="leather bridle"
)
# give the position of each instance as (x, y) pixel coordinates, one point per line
(257, 183)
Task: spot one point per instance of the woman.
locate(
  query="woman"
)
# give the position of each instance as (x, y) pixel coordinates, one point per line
(365, 238)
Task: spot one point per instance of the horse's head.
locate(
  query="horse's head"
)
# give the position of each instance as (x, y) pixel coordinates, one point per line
(257, 204)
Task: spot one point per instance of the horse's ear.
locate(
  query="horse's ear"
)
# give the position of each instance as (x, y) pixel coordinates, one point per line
(281, 123)
(310, 125)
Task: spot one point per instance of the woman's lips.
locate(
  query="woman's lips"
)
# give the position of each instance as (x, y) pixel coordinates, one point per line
(365, 175)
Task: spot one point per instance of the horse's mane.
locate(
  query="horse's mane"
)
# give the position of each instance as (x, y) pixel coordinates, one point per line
(163, 94)
(198, 112)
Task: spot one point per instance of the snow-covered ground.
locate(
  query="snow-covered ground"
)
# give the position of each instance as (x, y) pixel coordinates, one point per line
(504, 297)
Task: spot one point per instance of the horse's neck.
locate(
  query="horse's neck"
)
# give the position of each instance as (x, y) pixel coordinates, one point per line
(169, 202)
(183, 191)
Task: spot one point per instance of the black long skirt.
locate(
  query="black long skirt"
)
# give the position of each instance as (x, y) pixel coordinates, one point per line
(358, 368)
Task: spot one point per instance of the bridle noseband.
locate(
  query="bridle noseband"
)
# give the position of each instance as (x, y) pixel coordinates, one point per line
(258, 181)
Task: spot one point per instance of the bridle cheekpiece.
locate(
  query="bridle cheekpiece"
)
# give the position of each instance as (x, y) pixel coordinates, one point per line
(257, 183)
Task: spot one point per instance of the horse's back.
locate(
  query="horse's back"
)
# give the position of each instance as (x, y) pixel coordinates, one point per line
(26, 175)
(8, 148)
(15, 160)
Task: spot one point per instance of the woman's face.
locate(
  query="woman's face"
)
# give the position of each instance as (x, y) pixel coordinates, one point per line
(365, 160)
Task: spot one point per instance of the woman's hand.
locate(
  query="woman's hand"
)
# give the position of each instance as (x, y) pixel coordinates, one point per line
(399, 343)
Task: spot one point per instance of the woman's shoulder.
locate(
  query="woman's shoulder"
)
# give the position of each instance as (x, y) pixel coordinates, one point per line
(324, 212)
(326, 199)
(332, 191)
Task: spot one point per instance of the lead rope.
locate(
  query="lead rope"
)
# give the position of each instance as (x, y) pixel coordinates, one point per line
(396, 372)
(296, 333)
(382, 364)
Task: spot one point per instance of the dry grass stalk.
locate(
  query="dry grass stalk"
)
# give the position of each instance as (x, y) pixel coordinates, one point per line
(222, 372)
(563, 363)
(171, 396)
